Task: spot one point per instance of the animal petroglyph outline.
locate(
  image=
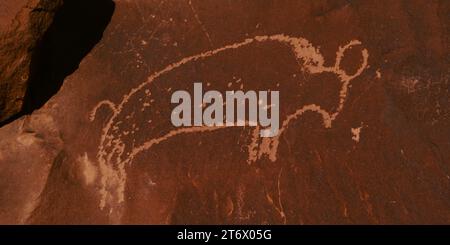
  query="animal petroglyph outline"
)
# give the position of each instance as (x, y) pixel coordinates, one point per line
(113, 176)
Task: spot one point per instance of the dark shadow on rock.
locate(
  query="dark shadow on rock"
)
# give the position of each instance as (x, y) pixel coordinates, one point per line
(78, 26)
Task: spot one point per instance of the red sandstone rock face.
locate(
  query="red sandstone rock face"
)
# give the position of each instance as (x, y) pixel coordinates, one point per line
(364, 108)
(9, 10)
(22, 26)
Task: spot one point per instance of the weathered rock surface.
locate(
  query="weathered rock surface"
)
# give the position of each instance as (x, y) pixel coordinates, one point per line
(29, 148)
(364, 93)
(8, 11)
(23, 25)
